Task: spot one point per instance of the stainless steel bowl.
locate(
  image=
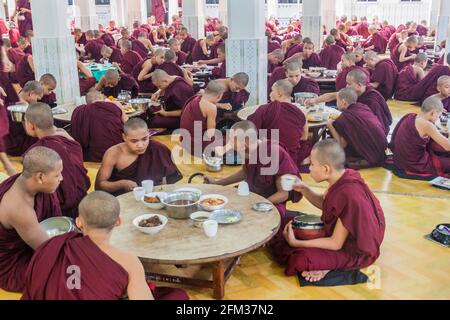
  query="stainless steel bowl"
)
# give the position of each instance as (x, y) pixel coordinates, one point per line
(140, 104)
(18, 112)
(302, 96)
(58, 225)
(213, 164)
(180, 205)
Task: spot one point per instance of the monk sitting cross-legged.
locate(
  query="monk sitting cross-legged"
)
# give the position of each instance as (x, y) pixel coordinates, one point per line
(76, 183)
(111, 55)
(98, 125)
(235, 95)
(427, 87)
(384, 74)
(106, 273)
(130, 58)
(330, 56)
(171, 67)
(353, 217)
(403, 55)
(376, 42)
(289, 120)
(412, 139)
(358, 131)
(443, 86)
(348, 64)
(26, 200)
(113, 83)
(126, 165)
(409, 78)
(142, 72)
(265, 162)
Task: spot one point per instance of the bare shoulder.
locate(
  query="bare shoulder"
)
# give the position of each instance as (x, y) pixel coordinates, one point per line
(113, 154)
(128, 261)
(10, 205)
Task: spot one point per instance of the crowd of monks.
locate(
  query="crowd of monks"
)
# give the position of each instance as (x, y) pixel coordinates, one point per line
(148, 62)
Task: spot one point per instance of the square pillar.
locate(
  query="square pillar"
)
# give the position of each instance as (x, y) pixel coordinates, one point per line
(173, 10)
(136, 10)
(442, 32)
(272, 8)
(312, 21)
(223, 12)
(85, 15)
(194, 17)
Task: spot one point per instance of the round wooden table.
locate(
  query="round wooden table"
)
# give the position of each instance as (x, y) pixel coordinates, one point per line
(67, 117)
(182, 244)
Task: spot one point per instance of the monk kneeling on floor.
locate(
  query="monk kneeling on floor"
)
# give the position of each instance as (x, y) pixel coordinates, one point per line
(105, 272)
(352, 215)
(26, 200)
(126, 165)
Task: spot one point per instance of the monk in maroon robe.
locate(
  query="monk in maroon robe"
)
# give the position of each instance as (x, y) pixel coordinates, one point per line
(201, 49)
(289, 120)
(25, 70)
(159, 10)
(130, 58)
(331, 54)
(113, 83)
(39, 124)
(354, 223)
(173, 92)
(383, 75)
(97, 126)
(4, 130)
(173, 69)
(187, 44)
(111, 55)
(48, 83)
(5, 83)
(138, 158)
(140, 46)
(175, 46)
(235, 95)
(412, 139)
(359, 132)
(93, 47)
(363, 28)
(428, 85)
(402, 54)
(276, 58)
(47, 277)
(21, 210)
(108, 40)
(79, 36)
(142, 72)
(14, 35)
(348, 64)
(376, 41)
(407, 87)
(309, 57)
(23, 8)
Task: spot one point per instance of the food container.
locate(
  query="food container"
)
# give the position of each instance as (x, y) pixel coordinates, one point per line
(58, 225)
(263, 207)
(18, 112)
(213, 207)
(140, 105)
(198, 218)
(300, 97)
(150, 230)
(308, 227)
(213, 164)
(180, 205)
(226, 216)
(154, 206)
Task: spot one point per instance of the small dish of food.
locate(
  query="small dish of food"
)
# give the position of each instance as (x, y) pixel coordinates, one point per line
(199, 217)
(150, 223)
(226, 216)
(313, 74)
(315, 118)
(129, 109)
(213, 202)
(154, 200)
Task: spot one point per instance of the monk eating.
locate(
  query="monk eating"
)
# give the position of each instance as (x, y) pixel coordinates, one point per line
(265, 163)
(276, 58)
(86, 78)
(25, 70)
(113, 83)
(201, 49)
(309, 57)
(199, 118)
(26, 200)
(287, 119)
(142, 45)
(352, 215)
(376, 42)
(93, 47)
(409, 78)
(427, 87)
(173, 92)
(235, 95)
(384, 74)
(443, 86)
(138, 158)
(359, 55)
(412, 139)
(111, 55)
(143, 71)
(348, 64)
(402, 54)
(91, 251)
(171, 67)
(331, 54)
(358, 131)
(4, 130)
(98, 125)
(39, 124)
(187, 43)
(130, 58)
(174, 45)
(48, 83)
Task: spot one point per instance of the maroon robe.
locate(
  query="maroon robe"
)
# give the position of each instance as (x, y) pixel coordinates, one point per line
(306, 85)
(363, 29)
(129, 61)
(236, 99)
(97, 127)
(395, 57)
(4, 125)
(14, 55)
(14, 35)
(139, 48)
(312, 61)
(24, 73)
(126, 83)
(145, 86)
(294, 50)
(197, 52)
(86, 84)
(330, 56)
(138, 31)
(378, 105)
(46, 277)
(352, 32)
(187, 46)
(108, 40)
(17, 141)
(172, 69)
(351, 201)
(365, 136)
(181, 58)
(379, 43)
(27, 24)
(422, 30)
(393, 42)
(407, 85)
(220, 72)
(341, 78)
(94, 49)
(428, 85)
(272, 46)
(290, 121)
(116, 56)
(386, 75)
(446, 103)
(155, 164)
(76, 183)
(214, 48)
(158, 11)
(412, 152)
(15, 254)
(82, 40)
(49, 99)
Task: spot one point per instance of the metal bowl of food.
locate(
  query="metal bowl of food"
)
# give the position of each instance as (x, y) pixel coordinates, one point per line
(180, 205)
(213, 164)
(58, 225)
(140, 104)
(18, 112)
(300, 97)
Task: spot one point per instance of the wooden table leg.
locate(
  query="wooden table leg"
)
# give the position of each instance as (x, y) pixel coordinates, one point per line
(219, 280)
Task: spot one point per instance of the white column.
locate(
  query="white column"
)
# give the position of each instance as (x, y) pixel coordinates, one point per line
(11, 7)
(246, 46)
(223, 11)
(272, 8)
(54, 48)
(85, 15)
(119, 13)
(313, 21)
(442, 32)
(434, 12)
(194, 17)
(172, 9)
(136, 10)
(329, 14)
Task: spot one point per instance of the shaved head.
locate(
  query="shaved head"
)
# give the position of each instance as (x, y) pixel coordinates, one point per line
(94, 95)
(33, 87)
(241, 78)
(112, 74)
(100, 210)
(134, 124)
(107, 50)
(126, 44)
(245, 127)
(285, 87)
(39, 160)
(170, 56)
(349, 95)
(90, 33)
(330, 153)
(294, 66)
(160, 52)
(443, 80)
(421, 57)
(172, 41)
(371, 55)
(40, 115)
(48, 80)
(432, 104)
(350, 56)
(330, 40)
(215, 88)
(358, 51)
(411, 40)
(159, 75)
(358, 76)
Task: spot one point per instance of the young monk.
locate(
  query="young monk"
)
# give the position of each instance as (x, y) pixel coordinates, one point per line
(98, 125)
(142, 45)
(358, 131)
(220, 72)
(383, 75)
(201, 49)
(348, 64)
(293, 46)
(262, 175)
(25, 70)
(402, 54)
(289, 120)
(358, 80)
(4, 130)
(93, 47)
(142, 72)
(353, 217)
(409, 78)
(138, 158)
(39, 124)
(26, 200)
(173, 69)
(86, 78)
(309, 57)
(359, 55)
(201, 112)
(443, 86)
(48, 83)
(187, 43)
(235, 96)
(130, 58)
(331, 54)
(427, 86)
(91, 251)
(276, 58)
(412, 138)
(173, 92)
(111, 55)
(112, 83)
(376, 42)
(175, 46)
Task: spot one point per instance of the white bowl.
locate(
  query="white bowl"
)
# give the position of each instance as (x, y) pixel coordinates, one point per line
(155, 206)
(213, 208)
(153, 230)
(199, 222)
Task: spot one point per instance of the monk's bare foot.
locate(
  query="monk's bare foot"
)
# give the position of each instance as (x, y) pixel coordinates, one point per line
(316, 276)
(305, 274)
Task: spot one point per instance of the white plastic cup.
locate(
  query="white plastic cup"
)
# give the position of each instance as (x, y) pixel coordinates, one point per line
(243, 189)
(210, 228)
(139, 193)
(287, 182)
(148, 186)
